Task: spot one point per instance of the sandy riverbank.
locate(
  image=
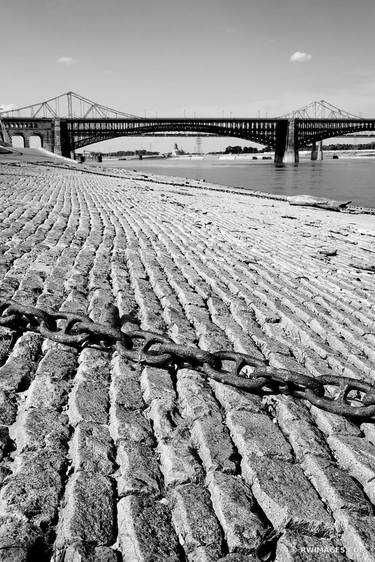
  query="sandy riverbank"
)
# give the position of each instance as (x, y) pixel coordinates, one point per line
(110, 461)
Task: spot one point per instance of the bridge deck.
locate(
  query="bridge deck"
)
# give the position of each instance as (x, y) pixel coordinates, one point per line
(101, 460)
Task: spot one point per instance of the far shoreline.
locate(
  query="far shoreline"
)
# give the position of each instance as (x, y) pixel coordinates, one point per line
(255, 156)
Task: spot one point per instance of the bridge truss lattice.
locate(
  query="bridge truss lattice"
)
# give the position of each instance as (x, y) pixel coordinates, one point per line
(321, 109)
(68, 105)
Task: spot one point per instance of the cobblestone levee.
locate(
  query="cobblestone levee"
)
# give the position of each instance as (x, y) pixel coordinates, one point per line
(103, 460)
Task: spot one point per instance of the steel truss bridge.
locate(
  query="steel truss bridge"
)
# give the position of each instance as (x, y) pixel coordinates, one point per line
(69, 121)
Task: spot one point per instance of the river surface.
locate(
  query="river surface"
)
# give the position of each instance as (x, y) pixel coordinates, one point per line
(344, 179)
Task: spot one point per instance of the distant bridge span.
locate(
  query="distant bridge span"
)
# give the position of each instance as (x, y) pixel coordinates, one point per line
(95, 123)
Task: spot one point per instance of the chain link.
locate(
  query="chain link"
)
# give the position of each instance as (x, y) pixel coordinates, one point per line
(354, 398)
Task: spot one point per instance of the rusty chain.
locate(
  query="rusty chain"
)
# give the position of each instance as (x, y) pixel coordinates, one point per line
(149, 348)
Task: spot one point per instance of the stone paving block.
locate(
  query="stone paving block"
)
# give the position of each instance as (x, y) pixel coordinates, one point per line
(334, 486)
(126, 304)
(91, 449)
(185, 293)
(306, 337)
(233, 504)
(17, 536)
(179, 329)
(93, 365)
(211, 440)
(332, 424)
(357, 456)
(368, 430)
(295, 547)
(83, 552)
(47, 391)
(257, 434)
(41, 428)
(5, 441)
(240, 339)
(59, 362)
(34, 490)
(296, 424)
(199, 316)
(286, 496)
(102, 308)
(213, 339)
(281, 361)
(32, 494)
(361, 362)
(139, 471)
(14, 555)
(8, 407)
(208, 432)
(263, 313)
(195, 395)
(313, 364)
(177, 456)
(5, 342)
(149, 306)
(146, 533)
(177, 461)
(88, 402)
(358, 536)
(231, 398)
(195, 523)
(19, 368)
(263, 342)
(131, 425)
(125, 386)
(166, 419)
(157, 385)
(87, 512)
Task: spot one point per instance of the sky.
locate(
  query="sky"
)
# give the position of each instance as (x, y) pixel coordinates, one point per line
(193, 57)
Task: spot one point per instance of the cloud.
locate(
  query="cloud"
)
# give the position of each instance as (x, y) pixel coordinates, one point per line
(66, 60)
(300, 57)
(5, 107)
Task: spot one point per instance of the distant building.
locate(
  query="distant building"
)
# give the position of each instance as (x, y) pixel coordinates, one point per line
(177, 151)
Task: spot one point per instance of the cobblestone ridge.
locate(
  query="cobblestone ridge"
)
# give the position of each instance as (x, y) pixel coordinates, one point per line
(103, 460)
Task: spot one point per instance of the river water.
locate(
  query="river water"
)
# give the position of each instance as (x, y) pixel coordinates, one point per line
(349, 179)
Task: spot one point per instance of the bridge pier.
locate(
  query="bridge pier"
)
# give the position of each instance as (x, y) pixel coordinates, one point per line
(291, 155)
(60, 141)
(314, 151)
(320, 150)
(317, 151)
(286, 151)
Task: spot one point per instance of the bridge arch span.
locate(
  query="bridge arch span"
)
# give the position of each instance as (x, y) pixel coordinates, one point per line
(339, 130)
(257, 135)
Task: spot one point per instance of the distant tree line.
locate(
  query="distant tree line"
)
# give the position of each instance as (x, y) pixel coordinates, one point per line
(364, 146)
(242, 150)
(141, 152)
